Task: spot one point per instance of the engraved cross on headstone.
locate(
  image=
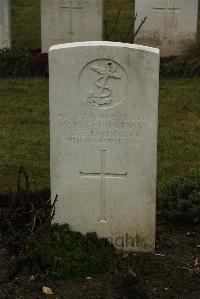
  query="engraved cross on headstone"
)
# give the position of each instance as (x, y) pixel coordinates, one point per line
(103, 175)
(70, 8)
(166, 9)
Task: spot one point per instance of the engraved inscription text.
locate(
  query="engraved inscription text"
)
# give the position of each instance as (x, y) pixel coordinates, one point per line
(82, 129)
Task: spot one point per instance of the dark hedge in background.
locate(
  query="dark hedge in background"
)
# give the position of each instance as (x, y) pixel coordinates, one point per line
(27, 63)
(23, 63)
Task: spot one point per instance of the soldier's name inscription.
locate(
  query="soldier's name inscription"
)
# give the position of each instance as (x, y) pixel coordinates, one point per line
(102, 129)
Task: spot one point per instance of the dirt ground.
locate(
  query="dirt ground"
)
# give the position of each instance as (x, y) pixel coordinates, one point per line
(173, 272)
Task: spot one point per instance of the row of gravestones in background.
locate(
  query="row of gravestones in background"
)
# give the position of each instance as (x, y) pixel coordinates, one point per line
(171, 25)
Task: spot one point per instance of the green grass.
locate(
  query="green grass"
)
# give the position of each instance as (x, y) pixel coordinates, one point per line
(25, 129)
(61, 253)
(26, 22)
(125, 21)
(179, 124)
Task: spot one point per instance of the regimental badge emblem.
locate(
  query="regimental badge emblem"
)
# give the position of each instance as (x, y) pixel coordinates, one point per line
(103, 96)
(103, 83)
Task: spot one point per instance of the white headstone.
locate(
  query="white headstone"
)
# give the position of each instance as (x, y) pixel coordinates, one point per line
(71, 21)
(171, 25)
(5, 34)
(103, 123)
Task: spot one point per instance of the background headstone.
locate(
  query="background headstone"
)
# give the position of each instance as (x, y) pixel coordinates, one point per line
(103, 122)
(71, 21)
(171, 25)
(5, 32)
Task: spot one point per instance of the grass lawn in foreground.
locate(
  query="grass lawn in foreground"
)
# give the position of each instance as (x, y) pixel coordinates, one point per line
(24, 125)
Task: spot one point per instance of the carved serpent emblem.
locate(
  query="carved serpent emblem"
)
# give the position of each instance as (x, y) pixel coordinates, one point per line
(103, 96)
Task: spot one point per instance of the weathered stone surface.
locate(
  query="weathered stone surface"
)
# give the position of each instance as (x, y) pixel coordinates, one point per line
(103, 123)
(171, 25)
(5, 34)
(70, 21)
